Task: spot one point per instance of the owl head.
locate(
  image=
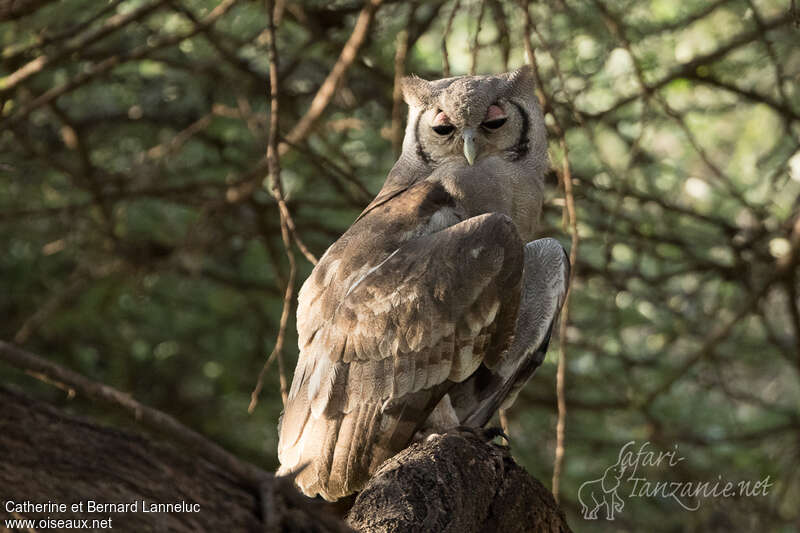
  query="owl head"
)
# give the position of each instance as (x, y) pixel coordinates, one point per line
(469, 118)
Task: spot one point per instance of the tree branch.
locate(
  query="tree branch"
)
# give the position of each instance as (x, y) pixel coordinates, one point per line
(49, 456)
(456, 482)
(152, 418)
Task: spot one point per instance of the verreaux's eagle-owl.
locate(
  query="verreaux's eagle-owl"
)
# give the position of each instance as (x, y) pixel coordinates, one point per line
(430, 312)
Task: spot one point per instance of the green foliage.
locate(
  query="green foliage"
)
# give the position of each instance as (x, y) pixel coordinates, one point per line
(142, 248)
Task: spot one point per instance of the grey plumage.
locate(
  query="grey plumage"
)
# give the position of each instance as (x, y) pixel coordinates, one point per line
(429, 311)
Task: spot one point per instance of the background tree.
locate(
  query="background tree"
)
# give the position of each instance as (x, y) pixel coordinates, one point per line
(142, 242)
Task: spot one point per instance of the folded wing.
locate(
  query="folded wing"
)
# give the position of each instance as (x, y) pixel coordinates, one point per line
(387, 328)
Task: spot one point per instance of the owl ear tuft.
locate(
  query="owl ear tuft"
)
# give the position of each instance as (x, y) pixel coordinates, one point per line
(521, 81)
(416, 91)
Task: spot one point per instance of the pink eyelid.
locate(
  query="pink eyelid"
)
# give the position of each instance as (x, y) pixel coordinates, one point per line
(441, 119)
(495, 112)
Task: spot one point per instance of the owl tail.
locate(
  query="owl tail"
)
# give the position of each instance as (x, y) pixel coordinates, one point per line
(335, 456)
(332, 457)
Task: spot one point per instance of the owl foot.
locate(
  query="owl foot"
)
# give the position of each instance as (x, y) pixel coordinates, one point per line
(485, 434)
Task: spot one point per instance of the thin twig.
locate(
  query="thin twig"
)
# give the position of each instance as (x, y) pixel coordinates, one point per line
(566, 181)
(570, 224)
(76, 284)
(785, 267)
(445, 35)
(111, 62)
(287, 218)
(305, 125)
(110, 25)
(326, 91)
(473, 65)
(689, 68)
(401, 51)
(504, 37)
(401, 48)
(171, 146)
(13, 52)
(276, 188)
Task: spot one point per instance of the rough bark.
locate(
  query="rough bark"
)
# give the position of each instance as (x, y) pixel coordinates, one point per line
(456, 482)
(47, 456)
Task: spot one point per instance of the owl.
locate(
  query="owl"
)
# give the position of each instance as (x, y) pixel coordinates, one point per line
(430, 312)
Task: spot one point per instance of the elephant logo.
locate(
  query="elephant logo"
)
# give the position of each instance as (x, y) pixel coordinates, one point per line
(598, 493)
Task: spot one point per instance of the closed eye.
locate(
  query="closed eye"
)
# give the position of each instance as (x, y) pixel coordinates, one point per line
(444, 129)
(494, 123)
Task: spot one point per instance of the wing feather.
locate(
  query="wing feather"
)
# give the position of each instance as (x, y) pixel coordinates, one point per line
(387, 327)
(499, 380)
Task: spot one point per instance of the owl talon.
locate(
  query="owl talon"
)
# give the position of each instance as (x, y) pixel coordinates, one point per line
(485, 434)
(494, 432)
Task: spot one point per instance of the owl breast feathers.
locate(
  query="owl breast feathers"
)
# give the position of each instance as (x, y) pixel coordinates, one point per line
(430, 312)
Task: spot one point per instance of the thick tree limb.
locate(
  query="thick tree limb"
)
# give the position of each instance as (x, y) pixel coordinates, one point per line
(455, 482)
(48, 456)
(66, 378)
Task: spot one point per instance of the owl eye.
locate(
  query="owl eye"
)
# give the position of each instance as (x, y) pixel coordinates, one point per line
(495, 117)
(494, 124)
(444, 129)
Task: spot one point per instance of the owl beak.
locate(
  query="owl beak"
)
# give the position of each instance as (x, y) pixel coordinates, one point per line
(469, 145)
